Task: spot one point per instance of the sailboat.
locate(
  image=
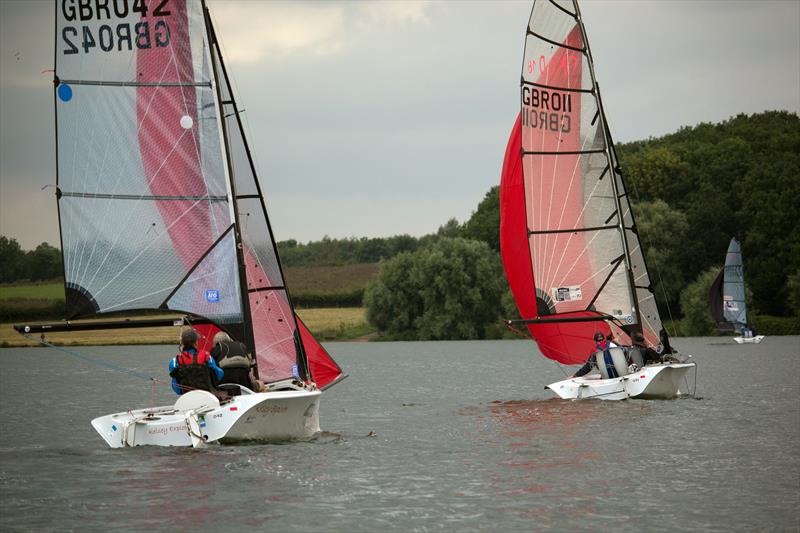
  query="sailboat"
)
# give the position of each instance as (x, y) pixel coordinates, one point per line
(160, 209)
(727, 300)
(568, 239)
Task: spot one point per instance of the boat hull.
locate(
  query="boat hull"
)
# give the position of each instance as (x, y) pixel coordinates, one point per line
(198, 418)
(749, 340)
(650, 382)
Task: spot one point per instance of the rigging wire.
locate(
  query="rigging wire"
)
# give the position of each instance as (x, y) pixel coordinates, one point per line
(105, 364)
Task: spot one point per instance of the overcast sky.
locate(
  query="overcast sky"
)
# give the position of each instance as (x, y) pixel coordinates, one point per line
(376, 119)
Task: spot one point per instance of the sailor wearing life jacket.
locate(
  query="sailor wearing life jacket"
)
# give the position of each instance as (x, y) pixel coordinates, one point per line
(602, 346)
(235, 361)
(191, 369)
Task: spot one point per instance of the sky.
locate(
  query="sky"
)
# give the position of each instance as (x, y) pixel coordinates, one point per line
(384, 118)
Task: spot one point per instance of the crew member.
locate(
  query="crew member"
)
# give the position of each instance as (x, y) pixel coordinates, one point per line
(192, 368)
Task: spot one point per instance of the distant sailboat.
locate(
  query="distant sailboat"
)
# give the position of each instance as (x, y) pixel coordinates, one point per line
(727, 297)
(160, 209)
(569, 243)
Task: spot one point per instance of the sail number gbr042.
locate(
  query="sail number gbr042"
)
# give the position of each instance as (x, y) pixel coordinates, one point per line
(549, 110)
(114, 36)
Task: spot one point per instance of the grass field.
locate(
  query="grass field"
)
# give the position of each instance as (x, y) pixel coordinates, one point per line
(326, 324)
(47, 290)
(330, 278)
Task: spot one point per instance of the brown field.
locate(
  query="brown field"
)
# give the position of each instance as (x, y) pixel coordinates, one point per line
(330, 278)
(326, 324)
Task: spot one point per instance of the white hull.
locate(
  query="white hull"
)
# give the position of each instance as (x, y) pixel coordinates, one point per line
(198, 417)
(749, 340)
(650, 382)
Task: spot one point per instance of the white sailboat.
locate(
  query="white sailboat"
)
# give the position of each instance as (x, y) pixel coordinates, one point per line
(569, 243)
(727, 297)
(160, 208)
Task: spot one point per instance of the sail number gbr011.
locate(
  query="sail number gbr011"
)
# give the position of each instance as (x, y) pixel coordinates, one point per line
(109, 37)
(549, 110)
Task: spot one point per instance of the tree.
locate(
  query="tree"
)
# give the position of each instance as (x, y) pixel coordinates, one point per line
(450, 289)
(697, 319)
(451, 228)
(663, 232)
(793, 292)
(484, 224)
(43, 263)
(11, 260)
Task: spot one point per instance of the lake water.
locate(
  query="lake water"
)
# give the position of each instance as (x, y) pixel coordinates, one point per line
(466, 439)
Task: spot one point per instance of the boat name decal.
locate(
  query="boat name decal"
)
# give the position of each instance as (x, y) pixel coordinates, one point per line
(163, 430)
(110, 37)
(272, 409)
(543, 109)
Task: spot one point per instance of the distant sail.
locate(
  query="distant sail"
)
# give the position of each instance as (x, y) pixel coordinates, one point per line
(727, 295)
(568, 238)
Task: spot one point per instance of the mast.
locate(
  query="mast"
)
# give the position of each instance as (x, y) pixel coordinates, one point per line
(301, 357)
(249, 339)
(612, 167)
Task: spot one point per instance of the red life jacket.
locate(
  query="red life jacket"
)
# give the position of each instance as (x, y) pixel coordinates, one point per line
(187, 358)
(192, 371)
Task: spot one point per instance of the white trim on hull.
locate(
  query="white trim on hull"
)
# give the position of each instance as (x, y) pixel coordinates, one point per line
(749, 340)
(198, 417)
(650, 382)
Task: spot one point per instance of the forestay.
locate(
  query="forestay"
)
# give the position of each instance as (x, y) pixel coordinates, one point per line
(568, 236)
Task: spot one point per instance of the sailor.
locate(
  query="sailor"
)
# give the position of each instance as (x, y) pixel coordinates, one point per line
(601, 346)
(235, 361)
(192, 368)
(649, 355)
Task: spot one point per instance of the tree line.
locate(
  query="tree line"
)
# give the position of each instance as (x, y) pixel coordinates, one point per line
(691, 192)
(16, 264)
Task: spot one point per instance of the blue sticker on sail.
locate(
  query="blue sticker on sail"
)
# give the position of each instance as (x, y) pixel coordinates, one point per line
(113, 427)
(295, 372)
(64, 92)
(212, 296)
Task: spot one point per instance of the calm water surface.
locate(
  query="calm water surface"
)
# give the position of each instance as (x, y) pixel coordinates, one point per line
(466, 440)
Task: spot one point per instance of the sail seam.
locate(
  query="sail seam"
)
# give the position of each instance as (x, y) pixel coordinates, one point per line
(573, 230)
(574, 152)
(260, 289)
(109, 196)
(581, 50)
(102, 83)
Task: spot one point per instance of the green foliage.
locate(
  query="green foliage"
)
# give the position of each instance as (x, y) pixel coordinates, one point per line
(663, 232)
(737, 178)
(40, 264)
(328, 299)
(484, 224)
(697, 319)
(776, 325)
(11, 260)
(450, 289)
(328, 252)
(793, 292)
